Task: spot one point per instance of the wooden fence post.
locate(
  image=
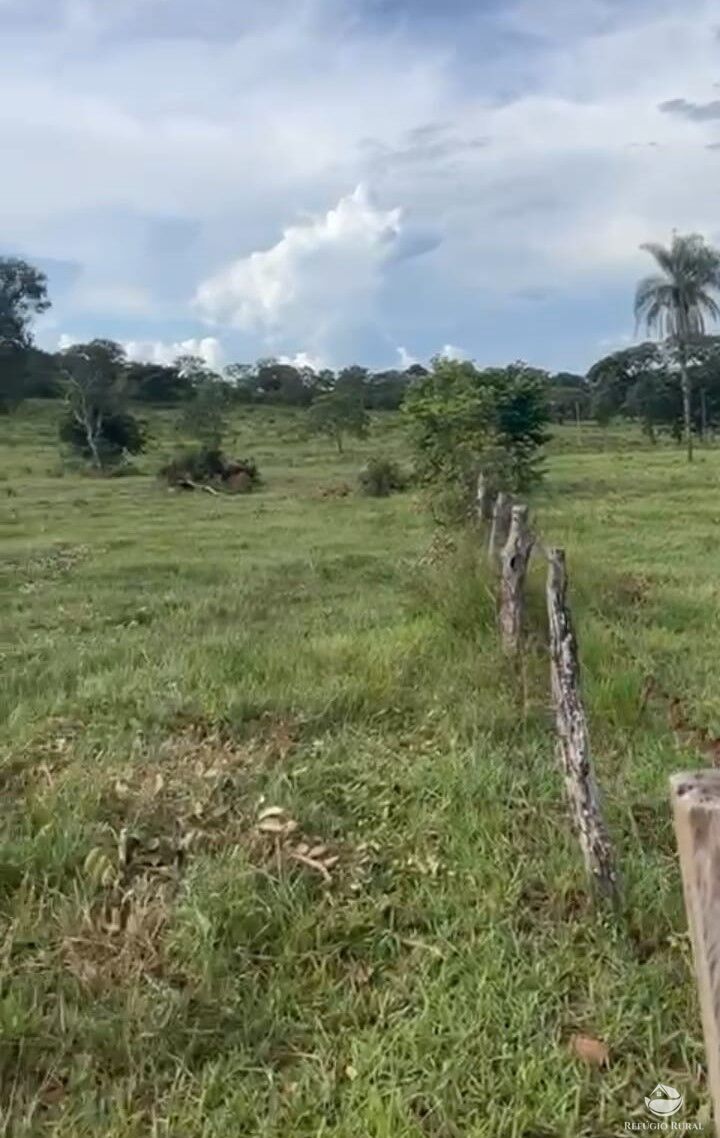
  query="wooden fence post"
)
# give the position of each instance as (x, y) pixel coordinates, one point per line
(573, 745)
(485, 498)
(696, 808)
(515, 557)
(500, 525)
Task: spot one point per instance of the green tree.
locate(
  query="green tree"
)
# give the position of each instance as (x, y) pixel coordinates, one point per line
(612, 379)
(157, 383)
(23, 295)
(204, 413)
(641, 383)
(569, 397)
(463, 420)
(96, 422)
(338, 413)
(677, 303)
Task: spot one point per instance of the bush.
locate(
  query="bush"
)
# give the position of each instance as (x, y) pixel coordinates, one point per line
(463, 420)
(208, 466)
(382, 476)
(121, 434)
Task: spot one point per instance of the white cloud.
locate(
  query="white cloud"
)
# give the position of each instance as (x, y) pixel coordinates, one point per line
(303, 360)
(452, 352)
(322, 274)
(405, 358)
(538, 159)
(208, 348)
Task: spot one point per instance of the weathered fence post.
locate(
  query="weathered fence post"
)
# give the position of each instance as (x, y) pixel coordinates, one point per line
(696, 807)
(573, 745)
(484, 500)
(500, 525)
(515, 557)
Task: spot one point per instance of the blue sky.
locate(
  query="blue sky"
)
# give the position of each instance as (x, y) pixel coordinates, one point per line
(355, 180)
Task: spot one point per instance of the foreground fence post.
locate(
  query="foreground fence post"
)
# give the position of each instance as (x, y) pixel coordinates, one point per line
(484, 500)
(515, 557)
(500, 525)
(696, 808)
(573, 743)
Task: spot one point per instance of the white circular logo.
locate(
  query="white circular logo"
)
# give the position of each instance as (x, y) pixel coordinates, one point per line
(664, 1101)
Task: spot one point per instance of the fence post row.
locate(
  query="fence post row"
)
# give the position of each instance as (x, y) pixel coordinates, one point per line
(696, 809)
(515, 557)
(500, 525)
(573, 744)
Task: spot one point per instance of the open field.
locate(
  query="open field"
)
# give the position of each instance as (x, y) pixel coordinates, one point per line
(172, 665)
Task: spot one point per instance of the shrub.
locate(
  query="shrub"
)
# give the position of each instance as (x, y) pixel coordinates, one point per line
(208, 466)
(463, 420)
(382, 476)
(119, 435)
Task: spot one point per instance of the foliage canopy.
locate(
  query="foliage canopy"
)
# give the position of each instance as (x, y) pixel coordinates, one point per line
(463, 419)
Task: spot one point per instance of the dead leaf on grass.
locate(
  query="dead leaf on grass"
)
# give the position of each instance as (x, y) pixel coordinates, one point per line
(590, 1050)
(271, 812)
(311, 863)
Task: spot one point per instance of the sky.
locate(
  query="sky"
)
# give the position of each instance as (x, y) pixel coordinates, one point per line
(339, 181)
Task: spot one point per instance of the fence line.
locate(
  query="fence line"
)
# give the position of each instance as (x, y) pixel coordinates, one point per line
(572, 736)
(695, 797)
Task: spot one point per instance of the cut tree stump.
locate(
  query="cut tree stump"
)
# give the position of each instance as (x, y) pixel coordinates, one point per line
(696, 808)
(500, 526)
(573, 741)
(485, 500)
(515, 558)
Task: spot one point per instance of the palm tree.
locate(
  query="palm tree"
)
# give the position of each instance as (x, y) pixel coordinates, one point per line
(677, 303)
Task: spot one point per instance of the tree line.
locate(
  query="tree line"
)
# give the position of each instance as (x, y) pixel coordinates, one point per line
(669, 385)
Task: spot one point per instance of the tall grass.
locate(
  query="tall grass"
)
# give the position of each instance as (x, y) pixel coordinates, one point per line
(175, 666)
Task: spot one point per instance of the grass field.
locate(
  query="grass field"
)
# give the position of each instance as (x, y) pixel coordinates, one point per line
(175, 963)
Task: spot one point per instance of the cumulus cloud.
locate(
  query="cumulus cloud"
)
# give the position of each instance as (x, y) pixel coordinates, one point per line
(528, 145)
(207, 348)
(323, 272)
(304, 360)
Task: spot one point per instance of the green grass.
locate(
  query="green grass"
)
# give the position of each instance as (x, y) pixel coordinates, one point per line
(175, 663)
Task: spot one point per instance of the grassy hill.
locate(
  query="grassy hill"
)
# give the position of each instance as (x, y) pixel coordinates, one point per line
(403, 946)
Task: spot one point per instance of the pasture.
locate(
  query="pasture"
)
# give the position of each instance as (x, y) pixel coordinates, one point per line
(284, 847)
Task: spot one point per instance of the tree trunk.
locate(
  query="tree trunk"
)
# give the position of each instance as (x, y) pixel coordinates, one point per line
(573, 742)
(515, 557)
(91, 427)
(703, 415)
(92, 444)
(687, 412)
